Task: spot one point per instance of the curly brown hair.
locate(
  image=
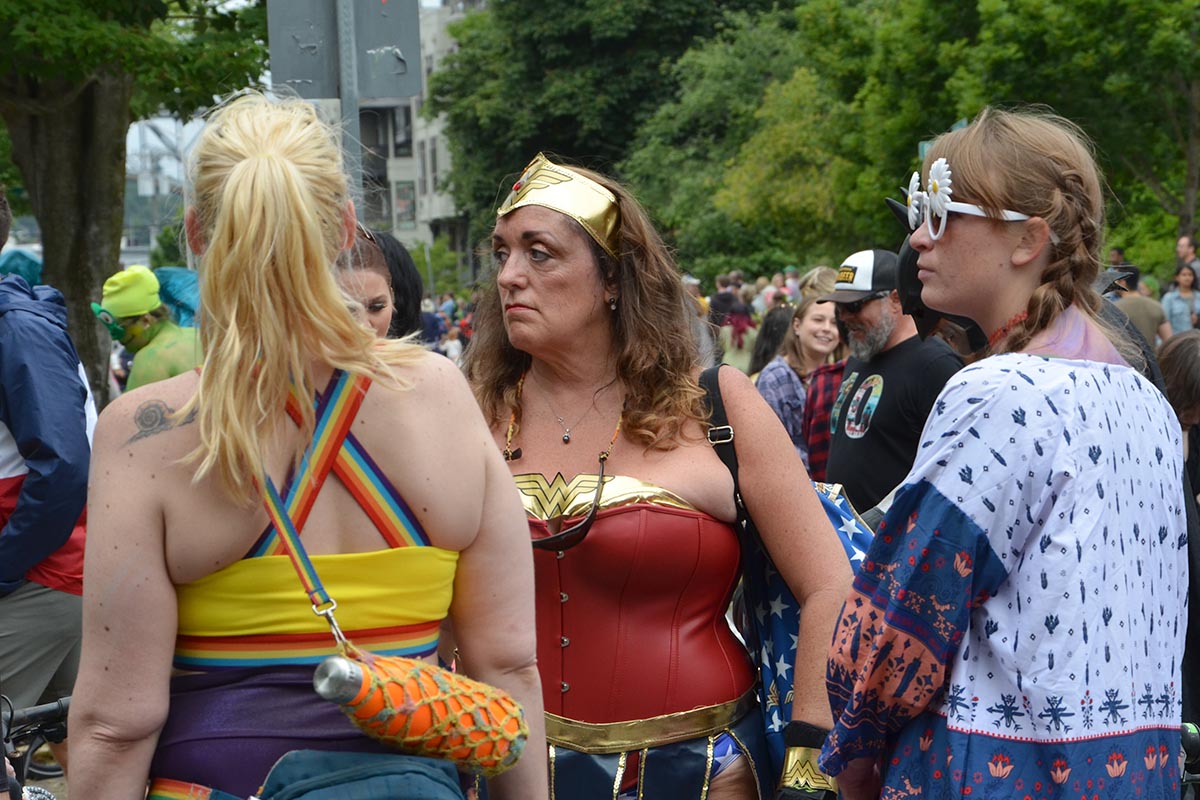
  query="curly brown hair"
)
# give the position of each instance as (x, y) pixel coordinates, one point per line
(656, 353)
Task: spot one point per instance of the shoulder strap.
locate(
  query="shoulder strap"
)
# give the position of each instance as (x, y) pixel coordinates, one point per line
(290, 538)
(335, 414)
(720, 432)
(339, 411)
(362, 477)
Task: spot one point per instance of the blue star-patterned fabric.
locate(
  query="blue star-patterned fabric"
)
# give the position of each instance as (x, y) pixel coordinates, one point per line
(1017, 625)
(775, 615)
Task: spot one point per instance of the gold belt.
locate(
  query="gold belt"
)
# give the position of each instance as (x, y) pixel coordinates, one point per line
(596, 738)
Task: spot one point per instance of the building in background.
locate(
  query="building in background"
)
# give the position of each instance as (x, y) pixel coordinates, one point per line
(405, 164)
(406, 158)
(154, 188)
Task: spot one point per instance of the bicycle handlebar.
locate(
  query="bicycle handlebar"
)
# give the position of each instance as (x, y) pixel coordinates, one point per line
(39, 715)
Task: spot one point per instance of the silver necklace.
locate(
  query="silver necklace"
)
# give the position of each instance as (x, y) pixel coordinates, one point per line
(562, 422)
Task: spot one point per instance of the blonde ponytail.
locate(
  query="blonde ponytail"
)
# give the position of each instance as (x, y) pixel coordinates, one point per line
(271, 203)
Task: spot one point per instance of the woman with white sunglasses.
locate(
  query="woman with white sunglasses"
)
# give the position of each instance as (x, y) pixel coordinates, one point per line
(1017, 625)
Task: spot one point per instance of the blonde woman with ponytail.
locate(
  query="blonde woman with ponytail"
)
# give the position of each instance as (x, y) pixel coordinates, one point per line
(1017, 625)
(199, 644)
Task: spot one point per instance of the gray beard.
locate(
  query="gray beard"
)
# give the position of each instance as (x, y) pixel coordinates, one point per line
(873, 340)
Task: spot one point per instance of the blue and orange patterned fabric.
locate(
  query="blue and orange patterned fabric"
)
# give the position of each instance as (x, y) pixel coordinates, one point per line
(1016, 627)
(392, 601)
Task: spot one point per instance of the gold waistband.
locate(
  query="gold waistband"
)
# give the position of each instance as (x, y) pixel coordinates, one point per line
(596, 738)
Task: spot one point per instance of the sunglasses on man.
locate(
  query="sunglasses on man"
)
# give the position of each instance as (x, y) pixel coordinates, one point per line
(857, 305)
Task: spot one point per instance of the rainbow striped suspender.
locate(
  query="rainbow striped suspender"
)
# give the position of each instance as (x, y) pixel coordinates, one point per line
(341, 407)
(358, 473)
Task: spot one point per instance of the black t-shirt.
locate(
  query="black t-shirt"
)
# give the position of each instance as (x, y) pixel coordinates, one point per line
(879, 413)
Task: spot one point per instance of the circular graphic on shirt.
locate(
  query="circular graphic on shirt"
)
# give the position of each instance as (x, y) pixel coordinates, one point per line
(862, 406)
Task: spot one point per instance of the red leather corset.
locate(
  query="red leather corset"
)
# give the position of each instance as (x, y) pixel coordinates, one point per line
(631, 622)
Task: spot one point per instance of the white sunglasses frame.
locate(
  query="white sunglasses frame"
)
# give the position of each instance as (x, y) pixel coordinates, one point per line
(953, 206)
(922, 201)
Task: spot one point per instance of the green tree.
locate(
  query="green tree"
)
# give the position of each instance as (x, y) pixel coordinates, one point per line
(10, 178)
(442, 264)
(789, 129)
(828, 120)
(791, 179)
(167, 250)
(1128, 71)
(679, 159)
(575, 79)
(73, 74)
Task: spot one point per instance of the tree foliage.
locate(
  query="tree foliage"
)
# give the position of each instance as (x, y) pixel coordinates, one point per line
(439, 268)
(1128, 71)
(678, 161)
(73, 73)
(817, 136)
(573, 78)
(168, 245)
(10, 178)
(828, 121)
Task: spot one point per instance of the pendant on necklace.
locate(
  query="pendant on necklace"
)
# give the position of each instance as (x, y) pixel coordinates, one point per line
(567, 437)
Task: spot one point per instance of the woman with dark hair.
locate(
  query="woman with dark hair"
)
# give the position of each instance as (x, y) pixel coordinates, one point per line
(775, 326)
(1018, 623)
(382, 281)
(407, 288)
(585, 366)
(1181, 303)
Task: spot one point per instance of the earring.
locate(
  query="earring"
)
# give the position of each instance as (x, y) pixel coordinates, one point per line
(612, 303)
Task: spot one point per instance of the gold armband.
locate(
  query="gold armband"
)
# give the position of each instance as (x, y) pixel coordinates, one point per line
(800, 771)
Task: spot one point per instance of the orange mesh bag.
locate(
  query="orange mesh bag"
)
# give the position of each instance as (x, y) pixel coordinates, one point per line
(425, 710)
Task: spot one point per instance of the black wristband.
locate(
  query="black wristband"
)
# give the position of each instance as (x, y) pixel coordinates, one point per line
(802, 734)
(785, 793)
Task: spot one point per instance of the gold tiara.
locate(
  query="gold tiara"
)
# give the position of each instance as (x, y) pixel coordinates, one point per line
(564, 190)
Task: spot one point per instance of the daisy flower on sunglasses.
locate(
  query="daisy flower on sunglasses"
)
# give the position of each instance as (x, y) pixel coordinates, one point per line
(914, 201)
(939, 188)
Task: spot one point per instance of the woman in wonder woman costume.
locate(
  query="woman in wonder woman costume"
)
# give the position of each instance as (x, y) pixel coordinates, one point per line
(199, 645)
(584, 364)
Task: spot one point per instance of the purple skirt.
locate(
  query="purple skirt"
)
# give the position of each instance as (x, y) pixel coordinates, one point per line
(227, 729)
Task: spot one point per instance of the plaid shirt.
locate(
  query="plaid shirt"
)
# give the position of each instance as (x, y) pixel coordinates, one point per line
(784, 392)
(823, 385)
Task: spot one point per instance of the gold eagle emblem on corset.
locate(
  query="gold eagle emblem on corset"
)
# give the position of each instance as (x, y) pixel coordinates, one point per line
(557, 497)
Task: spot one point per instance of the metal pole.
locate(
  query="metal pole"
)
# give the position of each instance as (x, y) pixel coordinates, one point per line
(348, 80)
(429, 269)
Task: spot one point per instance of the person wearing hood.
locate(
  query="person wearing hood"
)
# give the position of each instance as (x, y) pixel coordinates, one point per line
(134, 313)
(46, 422)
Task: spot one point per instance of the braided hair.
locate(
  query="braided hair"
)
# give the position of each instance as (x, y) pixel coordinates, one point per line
(1043, 165)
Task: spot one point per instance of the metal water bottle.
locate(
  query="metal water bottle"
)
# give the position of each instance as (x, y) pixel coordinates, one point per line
(338, 679)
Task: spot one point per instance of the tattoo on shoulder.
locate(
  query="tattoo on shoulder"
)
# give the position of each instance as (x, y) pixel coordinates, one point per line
(154, 416)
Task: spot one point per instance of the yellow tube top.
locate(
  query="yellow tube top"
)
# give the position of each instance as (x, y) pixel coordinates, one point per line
(255, 611)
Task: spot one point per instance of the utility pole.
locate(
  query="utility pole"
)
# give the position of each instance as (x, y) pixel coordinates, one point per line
(348, 83)
(351, 50)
